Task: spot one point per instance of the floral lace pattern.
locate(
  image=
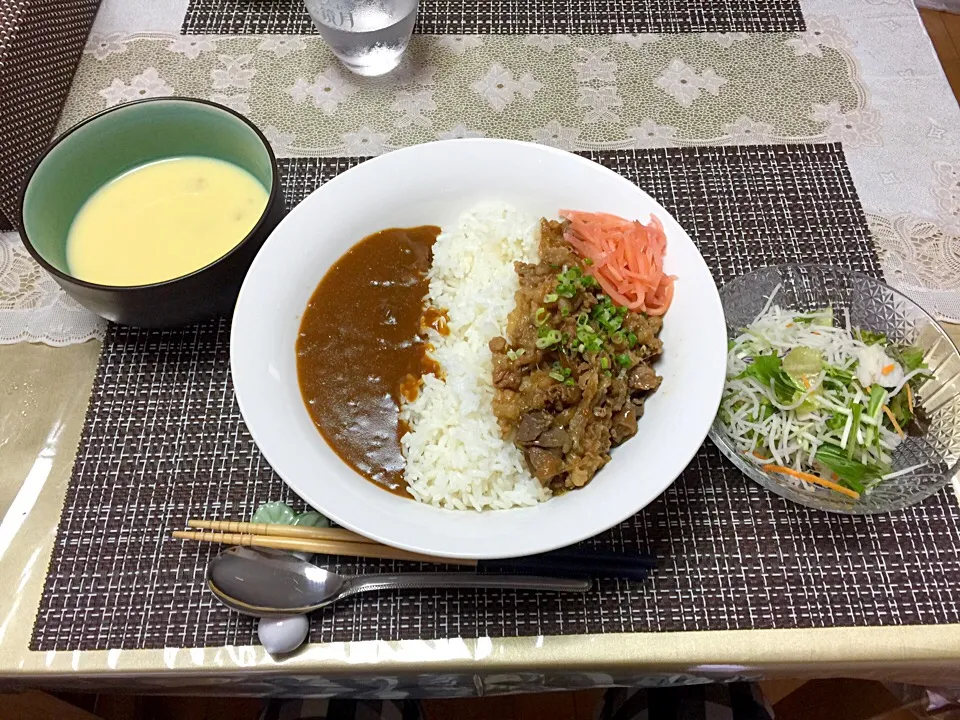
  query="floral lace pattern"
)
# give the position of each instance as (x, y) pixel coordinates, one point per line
(922, 260)
(33, 308)
(947, 192)
(147, 84)
(577, 92)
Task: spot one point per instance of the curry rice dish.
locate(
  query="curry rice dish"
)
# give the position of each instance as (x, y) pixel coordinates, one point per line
(491, 365)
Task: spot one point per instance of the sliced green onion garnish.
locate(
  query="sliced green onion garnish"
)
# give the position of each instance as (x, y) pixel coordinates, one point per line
(876, 401)
(549, 339)
(855, 413)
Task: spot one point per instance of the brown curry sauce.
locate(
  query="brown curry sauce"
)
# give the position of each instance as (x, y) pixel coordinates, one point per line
(361, 348)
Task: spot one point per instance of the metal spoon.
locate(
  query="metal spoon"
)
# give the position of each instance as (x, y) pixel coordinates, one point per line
(263, 582)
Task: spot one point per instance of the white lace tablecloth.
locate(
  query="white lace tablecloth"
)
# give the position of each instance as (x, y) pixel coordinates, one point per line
(864, 73)
(33, 308)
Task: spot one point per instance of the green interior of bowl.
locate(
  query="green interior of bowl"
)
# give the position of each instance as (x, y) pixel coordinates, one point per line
(115, 142)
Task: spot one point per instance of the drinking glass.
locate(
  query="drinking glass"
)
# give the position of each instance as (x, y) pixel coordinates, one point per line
(368, 36)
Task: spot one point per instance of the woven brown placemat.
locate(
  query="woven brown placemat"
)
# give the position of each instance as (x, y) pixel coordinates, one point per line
(517, 17)
(40, 46)
(164, 441)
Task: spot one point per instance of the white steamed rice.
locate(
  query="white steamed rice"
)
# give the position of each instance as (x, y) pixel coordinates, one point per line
(456, 457)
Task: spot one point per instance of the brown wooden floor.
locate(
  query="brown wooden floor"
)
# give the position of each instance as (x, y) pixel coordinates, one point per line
(791, 699)
(944, 30)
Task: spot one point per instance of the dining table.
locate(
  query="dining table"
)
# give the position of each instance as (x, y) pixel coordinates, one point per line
(773, 130)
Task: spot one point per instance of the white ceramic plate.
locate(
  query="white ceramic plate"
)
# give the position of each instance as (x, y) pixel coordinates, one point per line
(433, 184)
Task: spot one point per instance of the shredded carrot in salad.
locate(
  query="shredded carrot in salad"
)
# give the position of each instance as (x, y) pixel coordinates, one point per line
(807, 477)
(896, 425)
(626, 258)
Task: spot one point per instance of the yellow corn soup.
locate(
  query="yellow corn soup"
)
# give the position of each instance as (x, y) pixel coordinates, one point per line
(163, 220)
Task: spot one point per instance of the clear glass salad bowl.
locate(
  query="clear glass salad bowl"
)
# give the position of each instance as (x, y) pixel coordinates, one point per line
(875, 306)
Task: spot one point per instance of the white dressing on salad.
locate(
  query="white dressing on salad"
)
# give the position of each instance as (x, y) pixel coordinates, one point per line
(874, 366)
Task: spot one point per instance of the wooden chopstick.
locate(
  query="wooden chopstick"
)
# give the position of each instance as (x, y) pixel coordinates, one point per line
(367, 549)
(298, 531)
(566, 562)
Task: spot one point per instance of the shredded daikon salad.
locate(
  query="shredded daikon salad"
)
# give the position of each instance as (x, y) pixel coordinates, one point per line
(819, 402)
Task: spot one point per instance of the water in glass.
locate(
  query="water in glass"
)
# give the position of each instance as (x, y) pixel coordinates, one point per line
(368, 36)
